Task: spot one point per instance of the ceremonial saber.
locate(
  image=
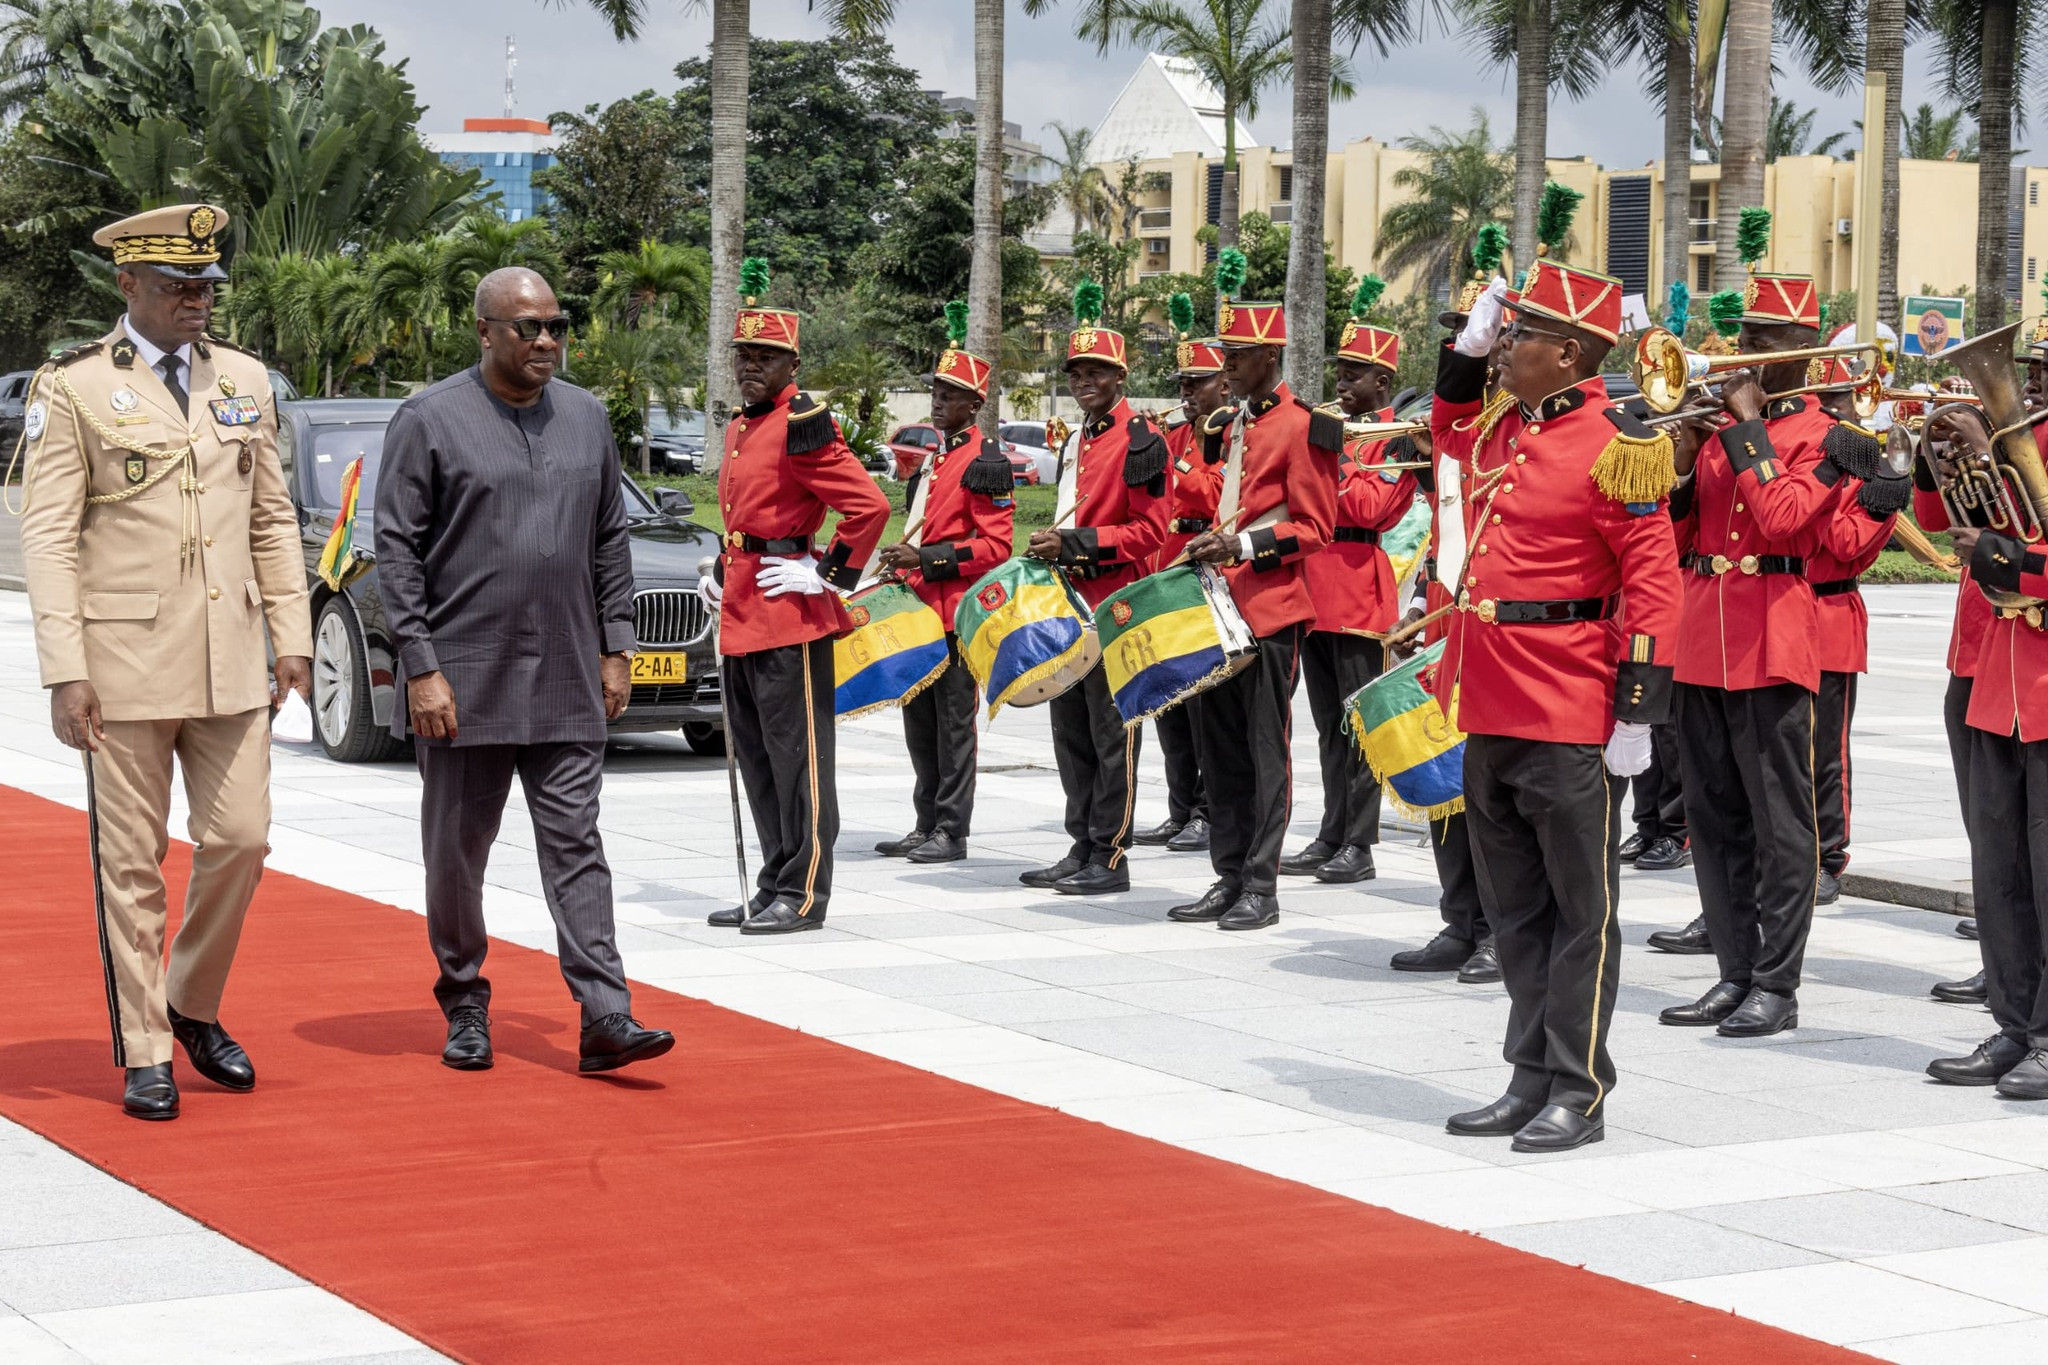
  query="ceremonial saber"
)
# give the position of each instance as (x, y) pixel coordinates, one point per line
(705, 567)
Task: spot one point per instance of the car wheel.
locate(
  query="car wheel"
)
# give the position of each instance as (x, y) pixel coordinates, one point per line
(704, 737)
(342, 719)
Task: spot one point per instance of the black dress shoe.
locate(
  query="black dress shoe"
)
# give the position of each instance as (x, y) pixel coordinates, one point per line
(1353, 863)
(1483, 966)
(1692, 939)
(1632, 848)
(618, 1040)
(1665, 855)
(1969, 991)
(1504, 1116)
(469, 1039)
(1966, 928)
(1251, 910)
(782, 918)
(1095, 880)
(1761, 1014)
(1046, 876)
(1159, 834)
(1994, 1057)
(1444, 953)
(1717, 1004)
(2028, 1080)
(1193, 837)
(1309, 861)
(214, 1055)
(149, 1092)
(1827, 888)
(1558, 1129)
(734, 915)
(940, 848)
(1211, 906)
(897, 848)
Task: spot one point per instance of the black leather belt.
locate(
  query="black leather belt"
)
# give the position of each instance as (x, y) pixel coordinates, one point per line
(1835, 588)
(1189, 526)
(1713, 566)
(754, 545)
(1356, 535)
(1540, 613)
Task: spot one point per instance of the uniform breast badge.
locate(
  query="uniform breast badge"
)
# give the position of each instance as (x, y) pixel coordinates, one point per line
(247, 462)
(123, 400)
(138, 469)
(236, 412)
(227, 385)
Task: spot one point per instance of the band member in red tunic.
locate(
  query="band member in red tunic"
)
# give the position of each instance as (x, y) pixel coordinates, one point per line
(957, 529)
(779, 605)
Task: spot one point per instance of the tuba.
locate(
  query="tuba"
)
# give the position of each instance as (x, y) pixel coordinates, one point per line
(2011, 496)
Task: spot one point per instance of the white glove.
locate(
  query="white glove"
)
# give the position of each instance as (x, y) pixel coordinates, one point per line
(1628, 749)
(779, 575)
(1245, 553)
(1482, 324)
(709, 591)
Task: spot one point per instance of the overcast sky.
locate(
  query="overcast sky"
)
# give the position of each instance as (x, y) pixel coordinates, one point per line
(567, 59)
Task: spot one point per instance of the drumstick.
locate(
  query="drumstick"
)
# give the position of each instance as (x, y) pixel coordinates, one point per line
(1225, 529)
(1402, 633)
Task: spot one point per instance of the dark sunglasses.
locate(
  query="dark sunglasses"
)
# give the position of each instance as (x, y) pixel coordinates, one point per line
(529, 329)
(1516, 330)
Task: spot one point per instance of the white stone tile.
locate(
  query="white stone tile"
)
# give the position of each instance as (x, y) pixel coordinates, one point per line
(2021, 1138)
(2012, 1343)
(1841, 1301)
(1871, 1161)
(847, 953)
(1195, 1115)
(2014, 1273)
(274, 1327)
(961, 1045)
(1685, 1179)
(22, 1342)
(1062, 1082)
(1000, 947)
(1332, 1157)
(1489, 1197)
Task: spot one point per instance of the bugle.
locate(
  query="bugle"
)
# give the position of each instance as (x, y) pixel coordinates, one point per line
(1666, 372)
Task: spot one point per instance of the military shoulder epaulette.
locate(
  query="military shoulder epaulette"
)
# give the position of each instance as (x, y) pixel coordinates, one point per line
(1636, 466)
(989, 472)
(810, 425)
(1853, 450)
(221, 344)
(1214, 427)
(1144, 453)
(1495, 408)
(76, 353)
(1885, 495)
(1325, 430)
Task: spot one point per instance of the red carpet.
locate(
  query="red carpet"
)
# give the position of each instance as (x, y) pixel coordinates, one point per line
(759, 1195)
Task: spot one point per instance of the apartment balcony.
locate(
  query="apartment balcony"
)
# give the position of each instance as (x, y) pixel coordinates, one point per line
(1702, 229)
(1154, 220)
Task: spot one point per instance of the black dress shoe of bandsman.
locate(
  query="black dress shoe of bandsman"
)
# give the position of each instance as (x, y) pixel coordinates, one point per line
(1353, 863)
(1970, 990)
(214, 1055)
(619, 1040)
(1504, 1116)
(1159, 834)
(149, 1092)
(1309, 861)
(2028, 1080)
(1251, 910)
(1717, 1004)
(1966, 928)
(1761, 1014)
(1827, 888)
(1193, 837)
(940, 848)
(782, 918)
(1631, 848)
(1046, 876)
(1483, 966)
(1211, 906)
(1994, 1057)
(896, 848)
(469, 1039)
(1558, 1129)
(735, 915)
(1444, 953)
(1692, 939)
(1095, 880)
(1666, 855)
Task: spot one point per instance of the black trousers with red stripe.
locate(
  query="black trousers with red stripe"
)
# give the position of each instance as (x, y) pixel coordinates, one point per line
(2009, 879)
(1245, 733)
(938, 729)
(1185, 799)
(1098, 762)
(1335, 665)
(778, 711)
(1834, 711)
(1660, 794)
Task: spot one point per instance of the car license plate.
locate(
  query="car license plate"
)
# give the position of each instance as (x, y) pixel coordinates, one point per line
(659, 668)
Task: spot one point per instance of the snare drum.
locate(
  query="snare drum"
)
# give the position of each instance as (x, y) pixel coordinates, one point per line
(896, 649)
(1168, 636)
(1025, 633)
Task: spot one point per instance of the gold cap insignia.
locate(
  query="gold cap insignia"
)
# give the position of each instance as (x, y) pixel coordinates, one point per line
(202, 222)
(750, 325)
(1349, 333)
(1750, 293)
(1084, 339)
(1224, 313)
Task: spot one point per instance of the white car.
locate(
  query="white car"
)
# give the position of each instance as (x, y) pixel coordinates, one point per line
(1029, 438)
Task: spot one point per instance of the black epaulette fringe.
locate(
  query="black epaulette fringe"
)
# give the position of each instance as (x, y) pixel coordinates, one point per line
(810, 425)
(989, 472)
(1883, 497)
(1325, 430)
(1853, 450)
(1145, 457)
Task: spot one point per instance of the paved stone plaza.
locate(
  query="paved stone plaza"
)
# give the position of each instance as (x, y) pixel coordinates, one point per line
(1816, 1181)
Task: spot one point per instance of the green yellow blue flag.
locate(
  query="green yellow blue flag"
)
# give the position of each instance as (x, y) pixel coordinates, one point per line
(1418, 755)
(336, 563)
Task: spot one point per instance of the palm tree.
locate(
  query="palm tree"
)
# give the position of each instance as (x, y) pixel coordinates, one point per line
(1746, 105)
(31, 33)
(1464, 184)
(406, 285)
(1884, 53)
(1788, 129)
(985, 261)
(658, 281)
(1938, 137)
(1986, 48)
(1659, 33)
(483, 242)
(1306, 294)
(1078, 185)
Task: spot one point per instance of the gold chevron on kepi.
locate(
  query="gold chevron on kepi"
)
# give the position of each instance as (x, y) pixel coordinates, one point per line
(179, 240)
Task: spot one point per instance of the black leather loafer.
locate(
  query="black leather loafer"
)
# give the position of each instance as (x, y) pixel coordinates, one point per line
(1827, 888)
(1160, 834)
(735, 915)
(469, 1039)
(897, 848)
(1631, 848)
(1309, 861)
(1046, 876)
(1761, 1014)
(1353, 863)
(1193, 837)
(1558, 1129)
(1251, 910)
(1482, 967)
(1444, 953)
(1717, 1004)
(1966, 928)
(1503, 1117)
(1994, 1057)
(940, 848)
(619, 1040)
(2028, 1080)
(1666, 855)
(1095, 880)
(1971, 990)
(1211, 906)
(149, 1092)
(1690, 940)
(782, 918)
(214, 1055)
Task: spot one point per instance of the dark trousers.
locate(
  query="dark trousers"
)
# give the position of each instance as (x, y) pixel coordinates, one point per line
(1660, 794)
(1245, 729)
(1748, 761)
(2009, 876)
(462, 801)
(1334, 666)
(938, 727)
(1098, 762)
(1451, 841)
(1185, 799)
(779, 712)
(1834, 710)
(1543, 818)
(1955, 705)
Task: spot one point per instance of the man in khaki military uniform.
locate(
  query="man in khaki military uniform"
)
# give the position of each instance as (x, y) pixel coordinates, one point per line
(160, 541)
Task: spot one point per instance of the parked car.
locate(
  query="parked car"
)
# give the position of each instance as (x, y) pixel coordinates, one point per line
(1029, 438)
(282, 388)
(13, 408)
(909, 445)
(676, 679)
(677, 440)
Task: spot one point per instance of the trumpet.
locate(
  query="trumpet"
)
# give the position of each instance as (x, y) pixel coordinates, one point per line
(1865, 394)
(1666, 372)
(1384, 431)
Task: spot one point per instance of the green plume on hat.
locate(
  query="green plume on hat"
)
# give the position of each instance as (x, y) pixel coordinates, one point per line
(753, 278)
(1724, 309)
(1230, 268)
(1180, 311)
(1554, 216)
(1753, 235)
(1369, 290)
(1488, 247)
(1679, 309)
(956, 323)
(1087, 300)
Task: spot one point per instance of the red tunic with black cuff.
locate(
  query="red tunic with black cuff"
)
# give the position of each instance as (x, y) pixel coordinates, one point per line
(1854, 536)
(2010, 692)
(1352, 581)
(1755, 508)
(1973, 609)
(1195, 483)
(785, 467)
(1569, 602)
(1120, 504)
(968, 509)
(1286, 501)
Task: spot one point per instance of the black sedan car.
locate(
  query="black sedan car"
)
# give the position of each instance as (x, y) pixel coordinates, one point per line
(675, 673)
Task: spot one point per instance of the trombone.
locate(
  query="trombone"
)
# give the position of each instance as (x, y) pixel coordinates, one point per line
(1666, 372)
(1865, 394)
